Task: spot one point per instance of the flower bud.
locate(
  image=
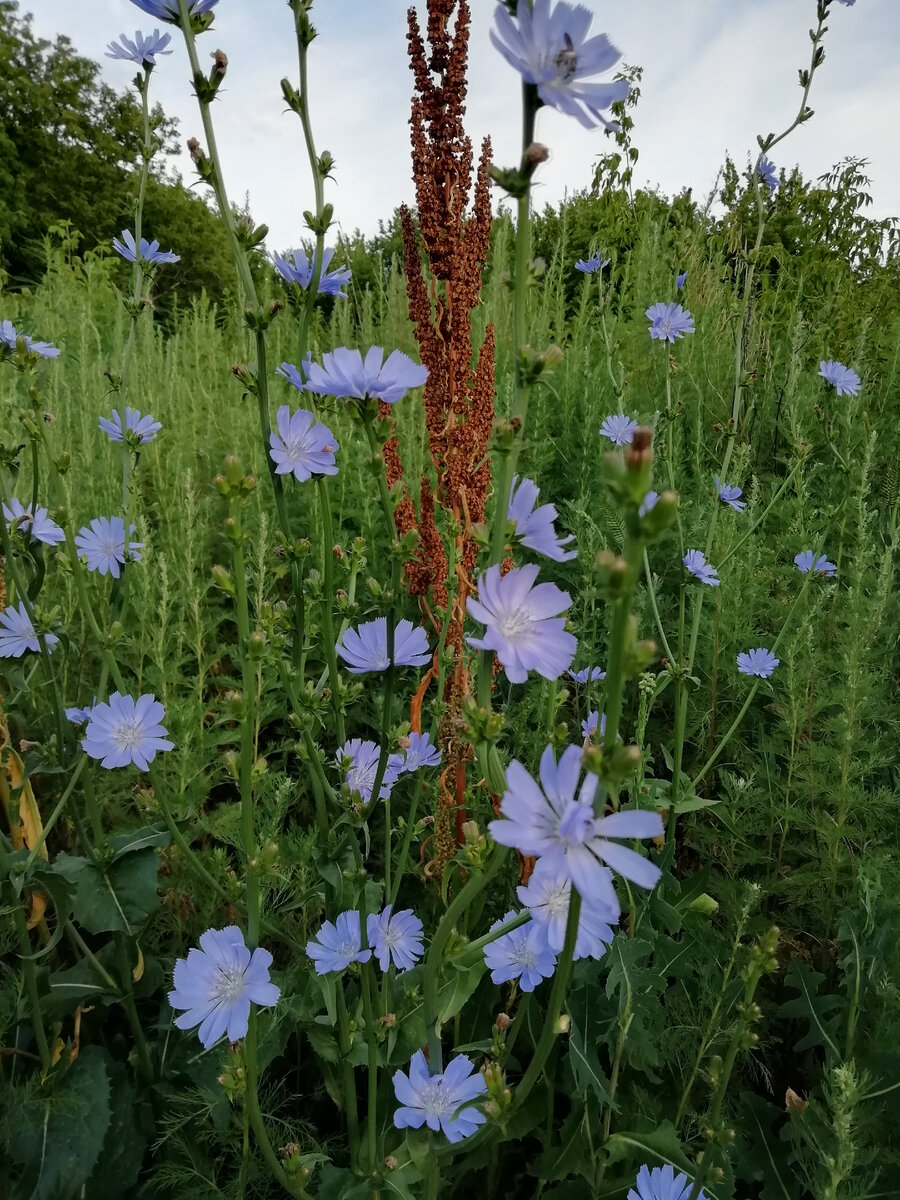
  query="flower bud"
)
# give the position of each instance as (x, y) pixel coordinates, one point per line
(503, 1022)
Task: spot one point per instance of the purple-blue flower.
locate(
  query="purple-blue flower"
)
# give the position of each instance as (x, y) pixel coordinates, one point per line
(669, 321)
(767, 173)
(302, 447)
(844, 380)
(759, 662)
(522, 954)
(523, 627)
(9, 336)
(648, 503)
(80, 716)
(143, 50)
(619, 429)
(807, 561)
(420, 753)
(365, 648)
(216, 984)
(589, 726)
(148, 252)
(295, 267)
(167, 10)
(849, 3)
(556, 821)
(695, 561)
(363, 768)
(730, 495)
(296, 376)
(587, 673)
(661, 1183)
(126, 731)
(345, 373)
(142, 429)
(679, 280)
(534, 526)
(440, 1101)
(103, 544)
(17, 633)
(336, 946)
(38, 524)
(395, 937)
(596, 263)
(547, 898)
(552, 49)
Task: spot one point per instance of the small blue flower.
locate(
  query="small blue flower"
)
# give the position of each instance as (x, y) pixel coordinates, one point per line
(522, 954)
(363, 768)
(141, 429)
(442, 1102)
(695, 561)
(679, 281)
(587, 673)
(126, 731)
(345, 373)
(661, 1183)
(294, 267)
(730, 495)
(148, 252)
(395, 937)
(759, 662)
(589, 726)
(522, 625)
(807, 561)
(336, 946)
(80, 716)
(38, 524)
(17, 633)
(669, 321)
(767, 173)
(167, 10)
(619, 429)
(296, 376)
(143, 50)
(9, 336)
(534, 526)
(302, 447)
(589, 265)
(103, 544)
(849, 3)
(844, 380)
(420, 753)
(547, 898)
(365, 648)
(216, 984)
(648, 503)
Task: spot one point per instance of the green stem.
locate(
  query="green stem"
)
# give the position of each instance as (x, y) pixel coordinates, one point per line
(126, 987)
(256, 1117)
(330, 643)
(248, 724)
(28, 969)
(347, 1072)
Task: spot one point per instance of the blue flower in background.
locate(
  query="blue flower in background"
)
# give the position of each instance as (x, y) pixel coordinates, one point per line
(767, 174)
(80, 716)
(759, 662)
(143, 429)
(534, 526)
(295, 267)
(143, 50)
(148, 252)
(648, 503)
(844, 380)
(661, 1183)
(336, 946)
(522, 954)
(522, 628)
(589, 726)
(103, 544)
(345, 373)
(395, 937)
(730, 495)
(38, 524)
(363, 768)
(216, 984)
(17, 633)
(695, 561)
(547, 895)
(596, 263)
(365, 648)
(669, 321)
(619, 429)
(552, 49)
(849, 3)
(297, 377)
(807, 561)
(167, 10)
(679, 280)
(302, 447)
(442, 1102)
(9, 336)
(587, 673)
(420, 753)
(126, 731)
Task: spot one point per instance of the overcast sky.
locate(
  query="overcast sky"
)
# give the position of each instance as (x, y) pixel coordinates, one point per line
(716, 73)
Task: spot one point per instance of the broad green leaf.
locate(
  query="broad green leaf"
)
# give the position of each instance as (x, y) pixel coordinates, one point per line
(820, 1011)
(141, 839)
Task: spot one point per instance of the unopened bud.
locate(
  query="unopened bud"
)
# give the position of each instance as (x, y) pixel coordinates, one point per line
(503, 1022)
(536, 154)
(389, 1020)
(220, 63)
(563, 1023)
(391, 1163)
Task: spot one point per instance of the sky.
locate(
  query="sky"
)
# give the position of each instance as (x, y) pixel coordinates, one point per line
(716, 73)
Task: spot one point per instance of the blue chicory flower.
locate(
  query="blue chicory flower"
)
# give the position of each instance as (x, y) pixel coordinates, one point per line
(336, 946)
(38, 523)
(17, 634)
(295, 267)
(547, 820)
(365, 648)
(442, 1102)
(522, 627)
(596, 263)
(9, 337)
(552, 49)
(345, 373)
(534, 526)
(126, 730)
(363, 768)
(759, 662)
(80, 716)
(296, 376)
(767, 173)
(143, 50)
(420, 753)
(587, 673)
(807, 561)
(679, 280)
(167, 10)
(522, 954)
(589, 726)
(648, 503)
(695, 561)
(619, 429)
(395, 937)
(142, 429)
(669, 321)
(148, 252)
(302, 447)
(844, 380)
(730, 495)
(661, 1183)
(547, 896)
(216, 984)
(103, 544)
